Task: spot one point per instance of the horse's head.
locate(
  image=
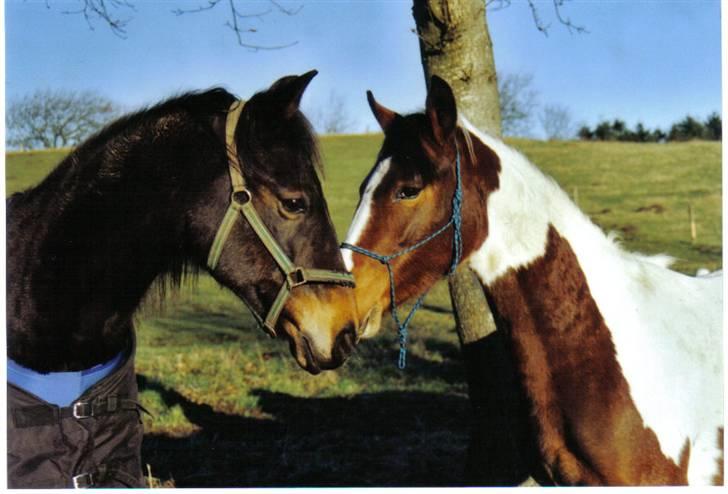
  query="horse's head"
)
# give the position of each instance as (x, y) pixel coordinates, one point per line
(406, 198)
(280, 169)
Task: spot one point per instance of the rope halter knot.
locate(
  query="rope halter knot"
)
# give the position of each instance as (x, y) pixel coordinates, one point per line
(456, 223)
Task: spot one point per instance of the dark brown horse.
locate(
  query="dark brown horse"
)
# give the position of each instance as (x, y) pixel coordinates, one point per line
(146, 199)
(620, 357)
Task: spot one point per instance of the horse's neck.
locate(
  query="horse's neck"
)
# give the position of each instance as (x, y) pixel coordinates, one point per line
(529, 219)
(83, 248)
(520, 212)
(595, 329)
(540, 295)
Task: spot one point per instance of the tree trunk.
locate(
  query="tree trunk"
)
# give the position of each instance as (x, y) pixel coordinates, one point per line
(455, 45)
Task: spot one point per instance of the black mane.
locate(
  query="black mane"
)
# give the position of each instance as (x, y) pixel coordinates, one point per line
(127, 127)
(196, 102)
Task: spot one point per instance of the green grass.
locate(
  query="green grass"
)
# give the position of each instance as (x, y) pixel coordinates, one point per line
(643, 191)
(231, 407)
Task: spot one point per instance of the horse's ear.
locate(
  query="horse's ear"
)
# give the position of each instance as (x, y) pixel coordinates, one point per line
(441, 109)
(384, 116)
(287, 91)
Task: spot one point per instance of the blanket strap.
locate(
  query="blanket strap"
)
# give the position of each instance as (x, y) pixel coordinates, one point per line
(101, 475)
(40, 415)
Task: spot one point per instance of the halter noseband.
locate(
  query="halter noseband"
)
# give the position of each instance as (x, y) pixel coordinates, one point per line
(241, 203)
(455, 221)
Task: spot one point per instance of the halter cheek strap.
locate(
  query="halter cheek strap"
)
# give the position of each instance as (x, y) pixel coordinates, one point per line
(455, 222)
(241, 203)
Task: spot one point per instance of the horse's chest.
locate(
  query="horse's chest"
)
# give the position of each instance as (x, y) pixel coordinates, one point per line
(591, 431)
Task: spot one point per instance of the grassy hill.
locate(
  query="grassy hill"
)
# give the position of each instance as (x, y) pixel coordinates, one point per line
(231, 408)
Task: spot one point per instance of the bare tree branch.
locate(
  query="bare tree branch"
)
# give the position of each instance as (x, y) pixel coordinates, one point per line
(557, 122)
(284, 10)
(518, 103)
(495, 5)
(238, 16)
(51, 119)
(544, 28)
(566, 21)
(107, 11)
(333, 117)
(211, 4)
(562, 20)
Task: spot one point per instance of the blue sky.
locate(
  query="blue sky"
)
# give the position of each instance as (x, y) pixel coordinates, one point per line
(642, 60)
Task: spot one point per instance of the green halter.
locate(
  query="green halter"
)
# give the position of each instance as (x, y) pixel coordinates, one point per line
(241, 203)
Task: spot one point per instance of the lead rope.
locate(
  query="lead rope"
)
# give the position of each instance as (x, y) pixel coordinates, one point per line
(456, 222)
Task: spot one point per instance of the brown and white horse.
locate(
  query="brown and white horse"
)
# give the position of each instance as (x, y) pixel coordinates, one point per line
(620, 356)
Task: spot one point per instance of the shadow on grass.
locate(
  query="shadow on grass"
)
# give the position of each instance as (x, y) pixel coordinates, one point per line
(428, 360)
(203, 326)
(384, 439)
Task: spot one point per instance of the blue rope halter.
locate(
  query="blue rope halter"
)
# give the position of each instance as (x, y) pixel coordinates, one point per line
(455, 221)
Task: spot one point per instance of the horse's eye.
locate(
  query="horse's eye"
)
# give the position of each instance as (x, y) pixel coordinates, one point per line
(296, 205)
(408, 192)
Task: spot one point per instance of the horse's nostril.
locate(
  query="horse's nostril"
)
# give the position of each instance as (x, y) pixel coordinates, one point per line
(345, 342)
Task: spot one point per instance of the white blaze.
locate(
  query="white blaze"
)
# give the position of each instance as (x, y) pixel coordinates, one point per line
(361, 217)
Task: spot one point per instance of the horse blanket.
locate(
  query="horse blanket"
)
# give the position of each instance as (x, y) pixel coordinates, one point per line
(94, 442)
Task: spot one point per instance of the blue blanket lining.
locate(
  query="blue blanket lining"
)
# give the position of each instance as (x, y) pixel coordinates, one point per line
(60, 388)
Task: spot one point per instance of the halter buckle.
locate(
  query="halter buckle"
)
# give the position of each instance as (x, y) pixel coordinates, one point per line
(269, 330)
(82, 410)
(83, 481)
(296, 278)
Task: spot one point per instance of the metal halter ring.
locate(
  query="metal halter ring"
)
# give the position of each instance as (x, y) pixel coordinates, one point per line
(235, 197)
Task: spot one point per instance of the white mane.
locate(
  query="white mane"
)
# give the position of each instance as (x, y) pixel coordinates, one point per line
(543, 199)
(666, 327)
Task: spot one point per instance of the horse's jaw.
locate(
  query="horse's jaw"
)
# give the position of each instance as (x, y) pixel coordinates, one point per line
(371, 324)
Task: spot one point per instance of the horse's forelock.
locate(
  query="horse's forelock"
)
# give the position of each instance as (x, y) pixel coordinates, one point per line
(405, 142)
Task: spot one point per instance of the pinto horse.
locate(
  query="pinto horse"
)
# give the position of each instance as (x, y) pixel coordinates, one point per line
(619, 356)
(146, 199)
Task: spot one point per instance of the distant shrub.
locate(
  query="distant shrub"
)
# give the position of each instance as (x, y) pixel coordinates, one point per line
(684, 130)
(714, 127)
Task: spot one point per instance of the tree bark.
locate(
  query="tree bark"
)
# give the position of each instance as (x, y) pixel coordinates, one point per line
(455, 45)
